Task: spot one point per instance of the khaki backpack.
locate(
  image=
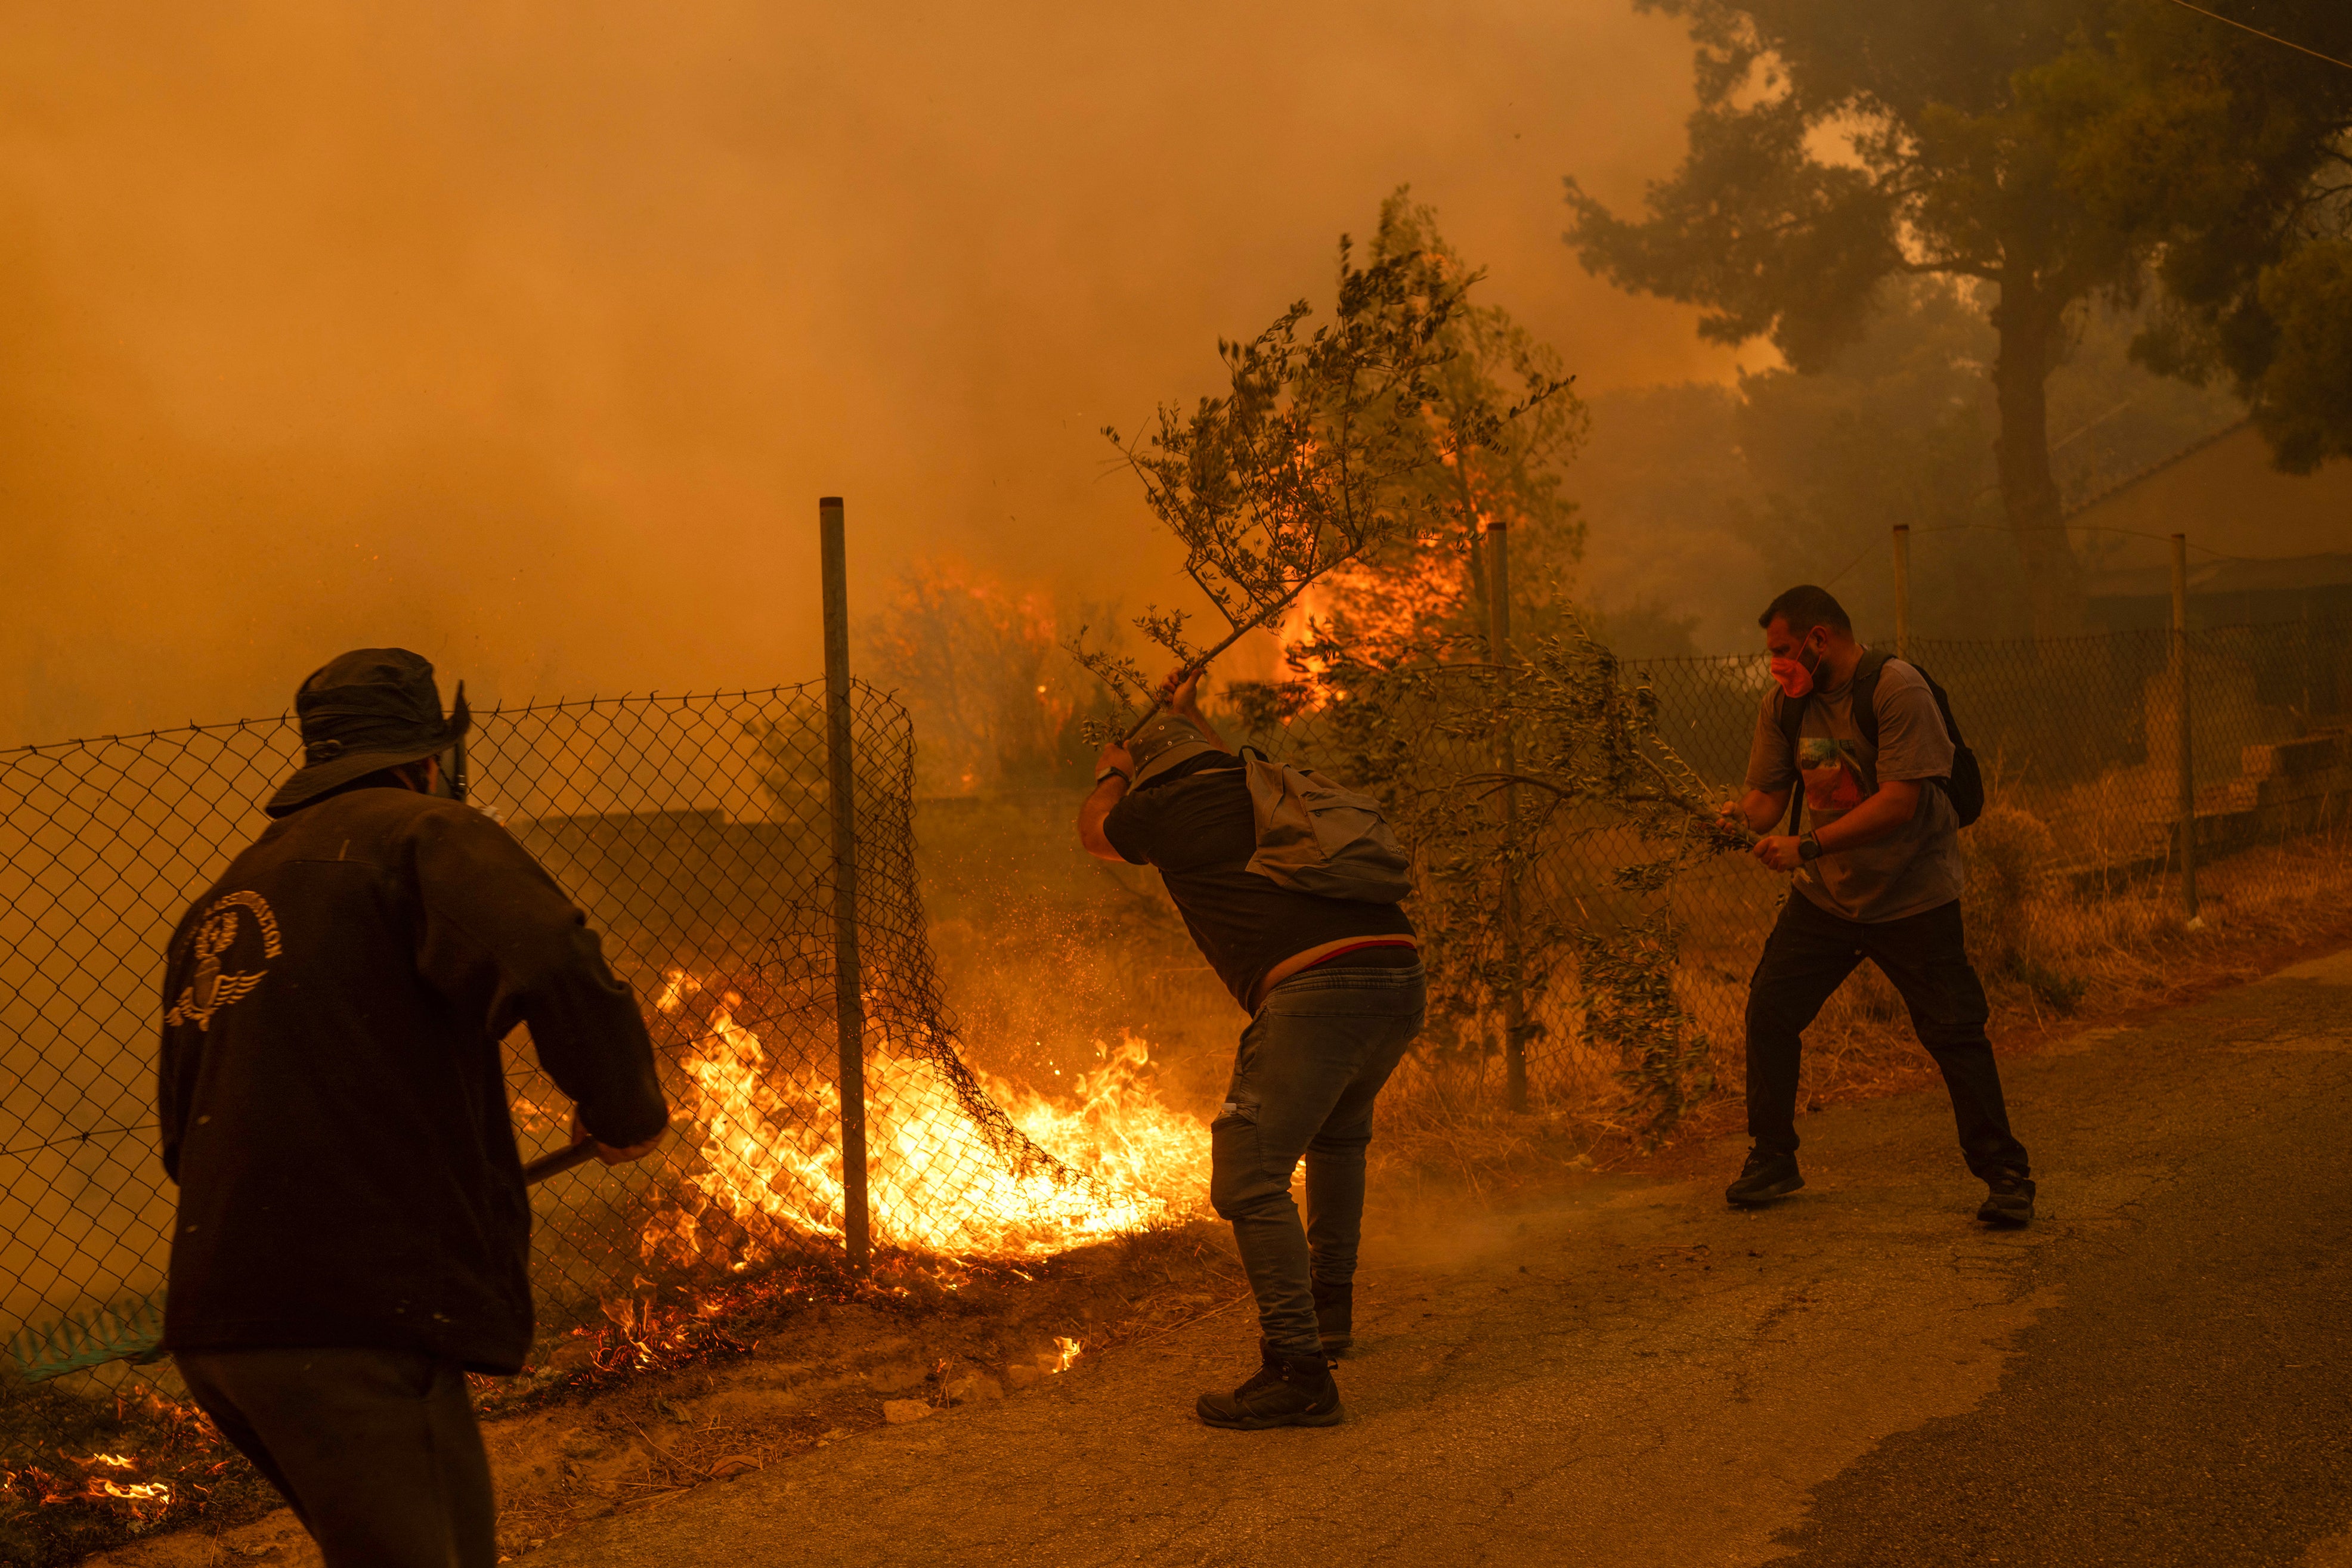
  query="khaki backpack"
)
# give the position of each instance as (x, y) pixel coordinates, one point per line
(1317, 836)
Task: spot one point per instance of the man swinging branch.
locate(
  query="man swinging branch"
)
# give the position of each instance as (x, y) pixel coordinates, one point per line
(1333, 988)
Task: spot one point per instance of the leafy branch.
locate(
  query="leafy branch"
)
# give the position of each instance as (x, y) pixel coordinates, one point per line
(1618, 818)
(1310, 457)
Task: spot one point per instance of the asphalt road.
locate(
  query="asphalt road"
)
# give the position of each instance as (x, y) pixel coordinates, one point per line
(2154, 1374)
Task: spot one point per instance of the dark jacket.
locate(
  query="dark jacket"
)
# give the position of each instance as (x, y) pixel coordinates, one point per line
(331, 1092)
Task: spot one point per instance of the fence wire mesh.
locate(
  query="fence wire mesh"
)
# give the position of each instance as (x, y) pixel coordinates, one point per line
(2079, 740)
(2080, 743)
(695, 833)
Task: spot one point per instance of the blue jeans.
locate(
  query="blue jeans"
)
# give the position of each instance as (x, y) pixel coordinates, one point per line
(1310, 1066)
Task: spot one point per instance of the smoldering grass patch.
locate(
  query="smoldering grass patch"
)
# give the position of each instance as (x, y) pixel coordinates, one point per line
(101, 1460)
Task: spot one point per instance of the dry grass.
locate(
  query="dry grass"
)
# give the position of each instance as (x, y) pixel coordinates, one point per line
(1045, 954)
(2051, 957)
(628, 1419)
(1068, 954)
(575, 1449)
(63, 1444)
(1443, 1125)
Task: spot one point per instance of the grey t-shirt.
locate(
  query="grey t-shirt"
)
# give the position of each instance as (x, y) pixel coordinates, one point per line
(1918, 867)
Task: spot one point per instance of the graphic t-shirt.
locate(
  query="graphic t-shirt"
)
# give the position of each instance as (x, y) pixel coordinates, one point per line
(1913, 870)
(1198, 830)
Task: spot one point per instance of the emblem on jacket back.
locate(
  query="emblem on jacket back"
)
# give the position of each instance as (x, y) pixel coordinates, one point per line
(214, 987)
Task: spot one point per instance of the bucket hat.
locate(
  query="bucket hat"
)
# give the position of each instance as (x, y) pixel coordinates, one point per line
(368, 709)
(1162, 742)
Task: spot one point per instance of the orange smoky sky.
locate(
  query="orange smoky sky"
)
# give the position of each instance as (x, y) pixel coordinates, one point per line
(527, 335)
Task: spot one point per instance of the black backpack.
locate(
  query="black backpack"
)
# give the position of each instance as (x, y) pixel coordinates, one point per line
(1965, 787)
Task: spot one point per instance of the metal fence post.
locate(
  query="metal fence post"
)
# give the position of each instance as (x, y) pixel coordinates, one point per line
(1499, 650)
(1901, 590)
(849, 1003)
(460, 780)
(2185, 749)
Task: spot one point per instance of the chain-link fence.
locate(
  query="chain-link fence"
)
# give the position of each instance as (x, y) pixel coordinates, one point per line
(2080, 744)
(2080, 740)
(696, 832)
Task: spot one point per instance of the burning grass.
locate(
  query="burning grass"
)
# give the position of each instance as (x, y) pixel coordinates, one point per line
(959, 1166)
(1015, 1228)
(675, 1388)
(680, 1327)
(80, 1470)
(1033, 936)
(745, 1343)
(692, 1392)
(671, 1392)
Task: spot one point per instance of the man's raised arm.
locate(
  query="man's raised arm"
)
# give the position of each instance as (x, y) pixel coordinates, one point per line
(1114, 776)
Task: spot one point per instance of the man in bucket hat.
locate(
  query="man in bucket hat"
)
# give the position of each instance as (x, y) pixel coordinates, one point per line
(1333, 990)
(353, 1226)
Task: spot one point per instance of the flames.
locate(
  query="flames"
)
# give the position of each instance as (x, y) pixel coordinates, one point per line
(1112, 1131)
(1386, 609)
(764, 1178)
(765, 1174)
(981, 663)
(174, 1464)
(142, 1500)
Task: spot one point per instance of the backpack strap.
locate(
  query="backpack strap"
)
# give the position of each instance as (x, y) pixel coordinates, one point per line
(1864, 706)
(1865, 719)
(1865, 699)
(1864, 703)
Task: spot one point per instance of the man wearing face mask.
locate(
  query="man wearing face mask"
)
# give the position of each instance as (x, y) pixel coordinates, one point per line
(353, 1230)
(1877, 875)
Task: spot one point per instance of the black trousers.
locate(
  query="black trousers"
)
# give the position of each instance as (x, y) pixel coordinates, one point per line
(1809, 955)
(375, 1450)
(1310, 1066)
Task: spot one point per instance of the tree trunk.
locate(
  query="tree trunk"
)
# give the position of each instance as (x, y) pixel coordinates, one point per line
(2027, 323)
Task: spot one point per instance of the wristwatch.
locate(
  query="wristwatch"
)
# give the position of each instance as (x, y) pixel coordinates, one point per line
(1113, 773)
(1809, 848)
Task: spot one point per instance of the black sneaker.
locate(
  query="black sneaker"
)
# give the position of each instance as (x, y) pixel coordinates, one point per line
(1764, 1178)
(1335, 1316)
(1288, 1391)
(2009, 1199)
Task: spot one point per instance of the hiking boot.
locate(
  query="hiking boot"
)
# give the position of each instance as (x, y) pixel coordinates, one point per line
(1288, 1391)
(1764, 1178)
(1335, 1316)
(2009, 1199)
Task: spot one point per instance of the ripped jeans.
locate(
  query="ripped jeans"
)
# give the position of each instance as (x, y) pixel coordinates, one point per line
(1310, 1065)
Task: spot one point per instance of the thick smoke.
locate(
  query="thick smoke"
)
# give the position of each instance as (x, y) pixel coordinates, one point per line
(527, 336)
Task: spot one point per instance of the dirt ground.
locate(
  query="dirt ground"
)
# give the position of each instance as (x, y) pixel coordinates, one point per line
(564, 1455)
(1623, 1371)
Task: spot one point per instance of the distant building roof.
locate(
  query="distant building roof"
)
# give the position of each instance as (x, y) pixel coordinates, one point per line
(2283, 574)
(2153, 470)
(2251, 527)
